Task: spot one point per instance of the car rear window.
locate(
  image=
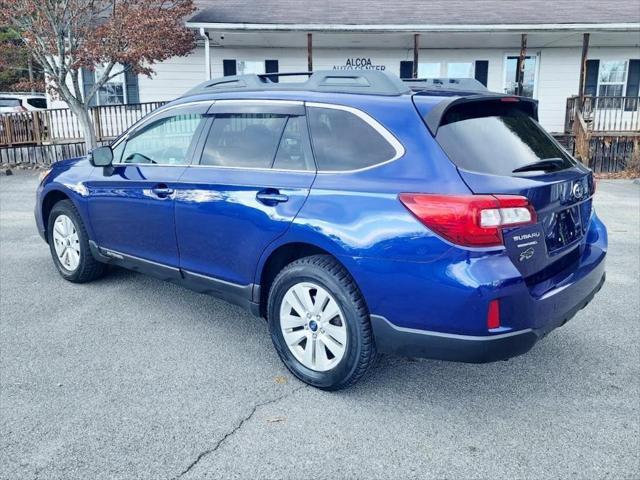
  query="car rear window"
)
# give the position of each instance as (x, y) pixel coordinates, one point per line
(9, 102)
(37, 102)
(497, 138)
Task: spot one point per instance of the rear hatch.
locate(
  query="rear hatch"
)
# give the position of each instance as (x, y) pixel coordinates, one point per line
(499, 148)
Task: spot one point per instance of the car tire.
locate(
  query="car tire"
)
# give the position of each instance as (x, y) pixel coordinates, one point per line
(69, 245)
(342, 345)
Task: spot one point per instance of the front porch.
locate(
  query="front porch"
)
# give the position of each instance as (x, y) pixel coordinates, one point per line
(604, 131)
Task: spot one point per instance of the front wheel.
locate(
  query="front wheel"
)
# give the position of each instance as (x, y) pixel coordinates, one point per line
(319, 323)
(69, 245)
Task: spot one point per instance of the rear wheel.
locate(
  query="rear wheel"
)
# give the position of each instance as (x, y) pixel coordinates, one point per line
(319, 323)
(69, 245)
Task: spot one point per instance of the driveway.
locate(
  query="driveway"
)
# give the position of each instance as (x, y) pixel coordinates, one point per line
(131, 377)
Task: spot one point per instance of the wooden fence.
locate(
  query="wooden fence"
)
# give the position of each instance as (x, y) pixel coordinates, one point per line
(56, 126)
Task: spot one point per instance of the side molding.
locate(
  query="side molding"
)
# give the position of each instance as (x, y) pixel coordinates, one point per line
(241, 295)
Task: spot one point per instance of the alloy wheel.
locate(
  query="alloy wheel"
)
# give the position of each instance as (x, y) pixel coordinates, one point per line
(313, 326)
(66, 242)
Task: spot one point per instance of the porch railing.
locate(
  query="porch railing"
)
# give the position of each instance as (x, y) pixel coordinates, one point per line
(604, 113)
(606, 131)
(56, 126)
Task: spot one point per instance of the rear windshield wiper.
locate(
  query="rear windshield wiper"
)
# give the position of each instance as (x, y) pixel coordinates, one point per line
(547, 164)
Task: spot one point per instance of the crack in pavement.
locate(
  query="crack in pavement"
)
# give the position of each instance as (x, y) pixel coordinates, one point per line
(235, 429)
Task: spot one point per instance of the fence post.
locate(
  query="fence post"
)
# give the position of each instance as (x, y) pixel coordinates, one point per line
(37, 127)
(97, 124)
(9, 129)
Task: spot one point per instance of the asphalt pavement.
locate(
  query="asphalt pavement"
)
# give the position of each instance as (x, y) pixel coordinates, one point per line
(130, 377)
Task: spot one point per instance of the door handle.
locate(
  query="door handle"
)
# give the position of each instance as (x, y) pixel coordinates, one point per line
(271, 197)
(162, 191)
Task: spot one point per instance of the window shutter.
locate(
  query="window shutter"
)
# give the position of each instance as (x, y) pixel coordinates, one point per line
(482, 71)
(406, 69)
(131, 84)
(633, 85)
(229, 67)
(88, 81)
(271, 66)
(591, 78)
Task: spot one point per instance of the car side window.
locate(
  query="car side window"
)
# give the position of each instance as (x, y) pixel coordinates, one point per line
(247, 140)
(294, 152)
(344, 141)
(164, 141)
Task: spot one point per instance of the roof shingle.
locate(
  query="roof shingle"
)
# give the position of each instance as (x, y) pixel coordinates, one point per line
(433, 12)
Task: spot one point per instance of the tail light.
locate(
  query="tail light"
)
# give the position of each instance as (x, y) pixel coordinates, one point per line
(470, 220)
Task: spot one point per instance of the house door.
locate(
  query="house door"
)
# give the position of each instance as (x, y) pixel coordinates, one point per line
(530, 76)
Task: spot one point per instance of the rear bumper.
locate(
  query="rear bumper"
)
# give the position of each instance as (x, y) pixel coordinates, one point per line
(472, 349)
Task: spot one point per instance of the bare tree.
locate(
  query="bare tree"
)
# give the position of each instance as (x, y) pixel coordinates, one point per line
(65, 36)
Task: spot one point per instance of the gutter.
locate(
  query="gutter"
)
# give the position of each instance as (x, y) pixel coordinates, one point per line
(316, 27)
(207, 54)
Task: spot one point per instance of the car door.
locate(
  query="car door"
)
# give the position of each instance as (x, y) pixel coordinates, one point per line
(253, 176)
(131, 203)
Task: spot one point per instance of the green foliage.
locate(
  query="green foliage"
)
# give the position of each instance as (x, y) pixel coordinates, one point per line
(14, 62)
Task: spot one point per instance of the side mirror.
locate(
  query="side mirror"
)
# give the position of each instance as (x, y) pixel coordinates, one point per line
(101, 156)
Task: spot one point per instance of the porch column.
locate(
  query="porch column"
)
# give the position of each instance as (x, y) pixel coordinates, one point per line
(520, 67)
(583, 67)
(416, 47)
(309, 52)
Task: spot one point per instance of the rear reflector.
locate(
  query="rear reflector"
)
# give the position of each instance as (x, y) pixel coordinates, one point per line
(470, 220)
(493, 314)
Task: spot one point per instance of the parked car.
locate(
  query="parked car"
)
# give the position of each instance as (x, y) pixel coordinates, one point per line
(14, 103)
(353, 214)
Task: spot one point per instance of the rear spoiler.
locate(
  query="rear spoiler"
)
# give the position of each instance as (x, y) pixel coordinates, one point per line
(433, 118)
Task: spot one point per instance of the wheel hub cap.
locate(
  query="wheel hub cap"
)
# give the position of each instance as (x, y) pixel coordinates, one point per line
(66, 242)
(313, 326)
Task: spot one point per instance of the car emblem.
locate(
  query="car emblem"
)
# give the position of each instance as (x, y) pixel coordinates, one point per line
(527, 254)
(578, 191)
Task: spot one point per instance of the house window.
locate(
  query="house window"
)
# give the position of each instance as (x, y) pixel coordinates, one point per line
(460, 70)
(611, 82)
(244, 67)
(429, 70)
(119, 90)
(247, 67)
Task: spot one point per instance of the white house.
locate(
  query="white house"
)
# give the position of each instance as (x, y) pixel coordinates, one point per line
(439, 38)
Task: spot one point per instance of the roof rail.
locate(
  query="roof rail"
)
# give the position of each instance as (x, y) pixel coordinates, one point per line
(445, 83)
(371, 82)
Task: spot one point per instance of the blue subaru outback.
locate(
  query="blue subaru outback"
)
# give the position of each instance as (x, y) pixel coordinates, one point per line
(356, 213)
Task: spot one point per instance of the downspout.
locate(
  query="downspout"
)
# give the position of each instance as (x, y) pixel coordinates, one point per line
(207, 54)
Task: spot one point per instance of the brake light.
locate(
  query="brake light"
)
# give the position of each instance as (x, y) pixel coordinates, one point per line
(470, 220)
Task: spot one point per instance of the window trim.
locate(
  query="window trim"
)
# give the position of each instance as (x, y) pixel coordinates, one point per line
(373, 123)
(386, 134)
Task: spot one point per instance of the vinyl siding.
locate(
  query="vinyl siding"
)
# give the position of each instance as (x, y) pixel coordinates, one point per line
(557, 77)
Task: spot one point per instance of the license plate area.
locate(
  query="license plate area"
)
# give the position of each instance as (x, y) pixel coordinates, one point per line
(564, 227)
